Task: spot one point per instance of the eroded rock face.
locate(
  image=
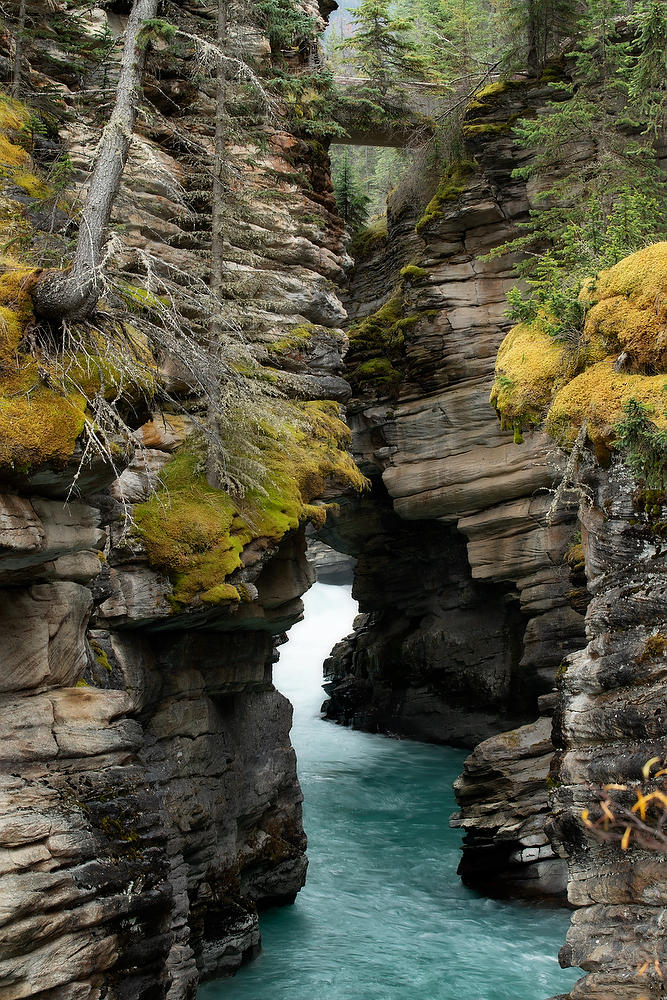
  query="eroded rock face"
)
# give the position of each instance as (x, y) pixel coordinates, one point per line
(450, 476)
(611, 721)
(150, 804)
(503, 804)
(462, 564)
(150, 799)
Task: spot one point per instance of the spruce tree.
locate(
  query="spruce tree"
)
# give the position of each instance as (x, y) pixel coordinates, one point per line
(530, 30)
(648, 77)
(351, 199)
(381, 46)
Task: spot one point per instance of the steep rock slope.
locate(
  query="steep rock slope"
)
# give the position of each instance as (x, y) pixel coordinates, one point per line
(150, 798)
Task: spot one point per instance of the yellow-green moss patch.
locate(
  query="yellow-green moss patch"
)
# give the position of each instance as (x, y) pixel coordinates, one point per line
(529, 367)
(485, 99)
(196, 534)
(412, 272)
(597, 396)
(573, 383)
(222, 593)
(369, 239)
(630, 308)
(296, 339)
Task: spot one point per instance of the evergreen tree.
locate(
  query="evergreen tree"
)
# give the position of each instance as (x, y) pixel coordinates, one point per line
(453, 37)
(74, 294)
(381, 46)
(351, 199)
(529, 30)
(648, 78)
(607, 196)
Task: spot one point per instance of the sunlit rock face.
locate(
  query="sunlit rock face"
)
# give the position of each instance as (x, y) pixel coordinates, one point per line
(150, 804)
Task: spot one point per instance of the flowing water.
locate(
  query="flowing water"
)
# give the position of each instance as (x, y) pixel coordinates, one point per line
(383, 914)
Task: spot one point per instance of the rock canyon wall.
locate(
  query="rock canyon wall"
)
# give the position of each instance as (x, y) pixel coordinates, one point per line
(150, 804)
(478, 585)
(150, 798)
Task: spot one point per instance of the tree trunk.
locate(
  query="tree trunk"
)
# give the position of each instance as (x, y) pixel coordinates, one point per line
(532, 38)
(219, 163)
(18, 51)
(217, 222)
(74, 294)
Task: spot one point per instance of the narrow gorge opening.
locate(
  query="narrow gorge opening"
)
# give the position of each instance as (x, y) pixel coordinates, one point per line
(383, 911)
(491, 450)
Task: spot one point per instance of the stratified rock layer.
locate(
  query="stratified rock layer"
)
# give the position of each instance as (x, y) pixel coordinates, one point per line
(459, 564)
(445, 473)
(150, 803)
(611, 721)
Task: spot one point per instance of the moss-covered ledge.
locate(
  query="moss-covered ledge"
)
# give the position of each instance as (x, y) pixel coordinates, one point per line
(197, 535)
(619, 361)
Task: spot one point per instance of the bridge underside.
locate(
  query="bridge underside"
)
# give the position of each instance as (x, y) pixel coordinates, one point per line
(397, 120)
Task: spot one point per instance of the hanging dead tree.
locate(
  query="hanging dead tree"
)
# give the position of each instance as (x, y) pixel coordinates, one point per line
(73, 294)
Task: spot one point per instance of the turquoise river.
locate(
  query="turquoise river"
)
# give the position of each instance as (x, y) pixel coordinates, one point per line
(383, 914)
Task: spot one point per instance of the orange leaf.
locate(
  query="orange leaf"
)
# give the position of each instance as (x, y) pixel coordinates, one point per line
(646, 770)
(641, 804)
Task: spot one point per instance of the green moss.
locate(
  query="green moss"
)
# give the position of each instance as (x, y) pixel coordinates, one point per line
(296, 339)
(44, 400)
(369, 239)
(628, 309)
(412, 273)
(196, 534)
(486, 98)
(100, 655)
(529, 366)
(222, 593)
(598, 396)
(32, 185)
(376, 353)
(451, 187)
(485, 128)
(574, 557)
(378, 371)
(539, 377)
(43, 404)
(654, 647)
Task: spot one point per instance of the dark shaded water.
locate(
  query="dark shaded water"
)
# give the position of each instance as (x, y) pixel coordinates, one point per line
(383, 914)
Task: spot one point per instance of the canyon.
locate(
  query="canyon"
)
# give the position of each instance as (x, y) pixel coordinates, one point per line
(151, 806)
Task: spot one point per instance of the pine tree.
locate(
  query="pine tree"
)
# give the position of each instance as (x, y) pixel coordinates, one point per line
(453, 37)
(74, 294)
(648, 78)
(530, 30)
(381, 46)
(351, 199)
(607, 196)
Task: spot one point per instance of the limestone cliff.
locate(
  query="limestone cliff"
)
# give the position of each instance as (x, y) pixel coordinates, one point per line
(610, 731)
(150, 798)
